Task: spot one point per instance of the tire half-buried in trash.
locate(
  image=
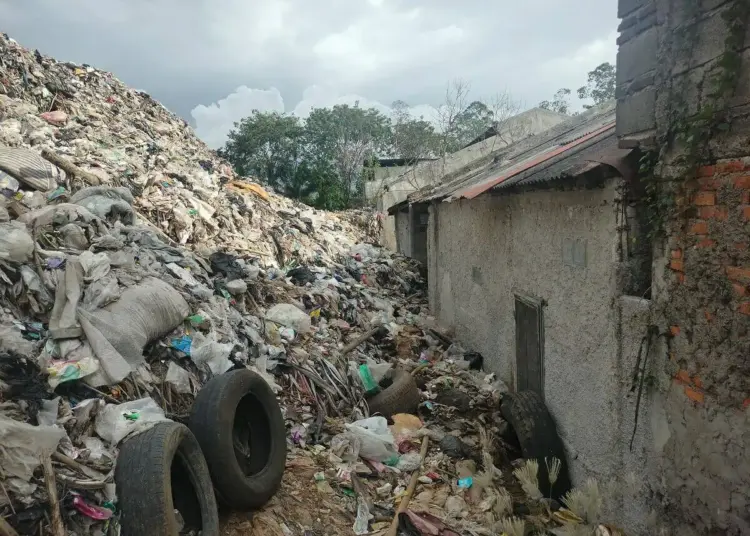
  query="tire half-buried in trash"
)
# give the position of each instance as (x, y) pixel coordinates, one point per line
(161, 472)
(239, 425)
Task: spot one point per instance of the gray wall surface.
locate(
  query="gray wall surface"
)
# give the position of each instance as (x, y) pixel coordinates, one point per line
(484, 251)
(670, 56)
(402, 221)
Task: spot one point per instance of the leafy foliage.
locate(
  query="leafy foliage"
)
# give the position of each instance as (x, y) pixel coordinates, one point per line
(560, 103)
(601, 85)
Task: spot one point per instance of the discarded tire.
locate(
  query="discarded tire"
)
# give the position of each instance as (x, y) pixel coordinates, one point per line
(538, 437)
(401, 396)
(160, 472)
(238, 423)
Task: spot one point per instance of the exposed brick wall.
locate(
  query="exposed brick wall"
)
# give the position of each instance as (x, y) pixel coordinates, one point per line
(710, 302)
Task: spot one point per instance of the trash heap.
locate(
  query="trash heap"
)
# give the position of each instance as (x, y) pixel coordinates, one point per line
(135, 265)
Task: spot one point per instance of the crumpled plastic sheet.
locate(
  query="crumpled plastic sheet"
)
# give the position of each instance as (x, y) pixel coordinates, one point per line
(376, 440)
(178, 377)
(207, 350)
(21, 446)
(115, 422)
(290, 316)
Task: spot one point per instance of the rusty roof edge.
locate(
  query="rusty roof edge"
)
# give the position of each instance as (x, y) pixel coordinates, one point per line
(471, 192)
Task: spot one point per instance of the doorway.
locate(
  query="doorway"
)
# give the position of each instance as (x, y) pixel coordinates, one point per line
(529, 345)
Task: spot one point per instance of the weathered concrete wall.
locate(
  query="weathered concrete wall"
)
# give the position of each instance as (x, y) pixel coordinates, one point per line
(671, 55)
(484, 251)
(393, 185)
(403, 232)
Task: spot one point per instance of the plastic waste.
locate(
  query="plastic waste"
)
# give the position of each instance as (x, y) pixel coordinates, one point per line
(16, 243)
(89, 510)
(376, 441)
(22, 446)
(115, 422)
(288, 315)
(179, 378)
(47, 415)
(362, 522)
(211, 352)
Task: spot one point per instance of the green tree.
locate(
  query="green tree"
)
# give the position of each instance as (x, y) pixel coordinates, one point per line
(267, 145)
(601, 85)
(411, 138)
(343, 137)
(560, 102)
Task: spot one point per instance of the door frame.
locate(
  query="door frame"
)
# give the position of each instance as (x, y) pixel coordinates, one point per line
(538, 304)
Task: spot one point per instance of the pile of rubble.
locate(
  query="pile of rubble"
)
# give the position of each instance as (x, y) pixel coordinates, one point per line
(135, 265)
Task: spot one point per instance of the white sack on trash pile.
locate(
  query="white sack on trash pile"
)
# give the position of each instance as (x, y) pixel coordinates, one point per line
(290, 316)
(119, 332)
(16, 243)
(208, 350)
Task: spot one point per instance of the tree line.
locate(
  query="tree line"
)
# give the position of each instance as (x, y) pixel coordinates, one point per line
(321, 160)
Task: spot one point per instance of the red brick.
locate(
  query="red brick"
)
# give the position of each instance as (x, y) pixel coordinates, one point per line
(677, 265)
(746, 212)
(746, 197)
(742, 182)
(741, 246)
(706, 243)
(738, 273)
(694, 395)
(676, 253)
(680, 277)
(745, 308)
(706, 171)
(699, 228)
(709, 316)
(682, 376)
(729, 167)
(715, 213)
(739, 289)
(708, 184)
(698, 382)
(674, 330)
(746, 403)
(704, 199)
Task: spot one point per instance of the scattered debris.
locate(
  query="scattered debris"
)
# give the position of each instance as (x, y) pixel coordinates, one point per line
(137, 270)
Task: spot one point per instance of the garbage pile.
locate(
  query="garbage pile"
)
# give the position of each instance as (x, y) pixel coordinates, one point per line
(135, 266)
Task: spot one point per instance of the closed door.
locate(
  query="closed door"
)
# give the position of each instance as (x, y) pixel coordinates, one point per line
(529, 346)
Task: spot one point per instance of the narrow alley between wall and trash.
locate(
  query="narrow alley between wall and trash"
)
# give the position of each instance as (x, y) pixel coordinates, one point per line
(168, 329)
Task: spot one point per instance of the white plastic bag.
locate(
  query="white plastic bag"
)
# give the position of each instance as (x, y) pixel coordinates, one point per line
(376, 439)
(179, 378)
(117, 421)
(22, 446)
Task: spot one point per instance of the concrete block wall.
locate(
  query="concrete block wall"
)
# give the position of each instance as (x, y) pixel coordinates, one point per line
(698, 476)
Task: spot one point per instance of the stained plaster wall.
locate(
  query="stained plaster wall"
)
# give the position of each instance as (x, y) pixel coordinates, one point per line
(483, 251)
(698, 477)
(403, 232)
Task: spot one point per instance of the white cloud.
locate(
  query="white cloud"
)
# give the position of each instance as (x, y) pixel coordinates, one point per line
(213, 122)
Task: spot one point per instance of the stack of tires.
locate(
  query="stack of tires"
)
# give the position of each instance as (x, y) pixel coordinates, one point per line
(233, 451)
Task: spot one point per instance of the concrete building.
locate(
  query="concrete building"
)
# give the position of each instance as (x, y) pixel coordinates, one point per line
(607, 265)
(393, 184)
(532, 262)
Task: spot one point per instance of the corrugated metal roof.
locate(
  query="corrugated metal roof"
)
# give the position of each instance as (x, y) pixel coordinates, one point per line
(529, 157)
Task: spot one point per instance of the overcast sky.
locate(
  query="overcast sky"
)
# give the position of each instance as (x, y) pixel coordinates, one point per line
(214, 61)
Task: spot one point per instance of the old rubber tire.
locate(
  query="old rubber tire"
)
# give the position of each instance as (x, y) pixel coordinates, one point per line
(538, 437)
(161, 470)
(239, 425)
(402, 396)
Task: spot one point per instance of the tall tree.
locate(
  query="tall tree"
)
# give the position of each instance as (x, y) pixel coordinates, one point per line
(560, 102)
(267, 145)
(411, 138)
(345, 136)
(601, 85)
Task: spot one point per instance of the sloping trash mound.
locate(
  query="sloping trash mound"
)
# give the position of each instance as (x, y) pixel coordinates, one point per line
(135, 267)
